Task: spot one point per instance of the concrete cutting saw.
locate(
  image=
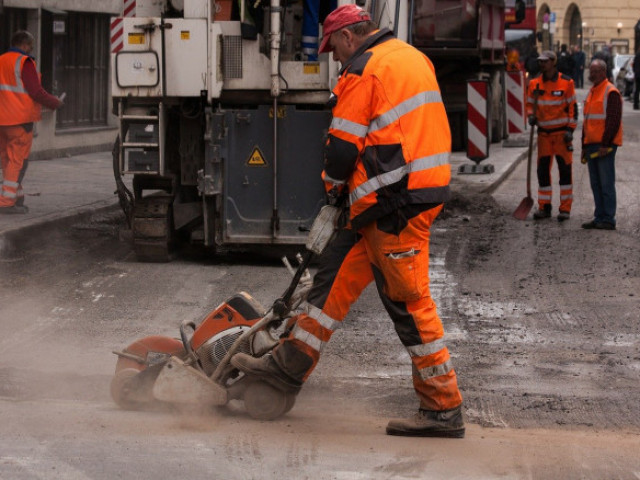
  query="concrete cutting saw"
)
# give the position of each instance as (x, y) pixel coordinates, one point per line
(196, 370)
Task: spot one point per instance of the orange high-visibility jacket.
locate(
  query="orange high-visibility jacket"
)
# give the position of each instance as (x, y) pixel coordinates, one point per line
(557, 109)
(17, 106)
(595, 113)
(389, 139)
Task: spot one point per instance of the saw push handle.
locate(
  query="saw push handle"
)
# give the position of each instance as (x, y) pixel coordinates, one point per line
(321, 233)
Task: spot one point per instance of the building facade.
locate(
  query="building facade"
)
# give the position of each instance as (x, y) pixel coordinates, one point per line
(72, 55)
(591, 24)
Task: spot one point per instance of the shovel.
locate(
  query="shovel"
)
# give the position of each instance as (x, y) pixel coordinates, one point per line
(524, 208)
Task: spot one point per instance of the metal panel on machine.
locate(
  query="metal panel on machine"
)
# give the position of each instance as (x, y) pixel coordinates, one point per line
(186, 45)
(249, 187)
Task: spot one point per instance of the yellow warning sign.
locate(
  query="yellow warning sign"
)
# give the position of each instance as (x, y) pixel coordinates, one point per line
(185, 35)
(256, 159)
(311, 68)
(136, 39)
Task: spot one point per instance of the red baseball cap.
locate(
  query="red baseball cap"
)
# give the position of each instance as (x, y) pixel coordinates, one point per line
(341, 17)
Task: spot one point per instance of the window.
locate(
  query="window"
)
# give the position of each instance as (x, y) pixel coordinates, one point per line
(80, 67)
(11, 20)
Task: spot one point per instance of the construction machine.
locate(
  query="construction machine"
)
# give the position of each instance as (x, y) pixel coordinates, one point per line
(222, 119)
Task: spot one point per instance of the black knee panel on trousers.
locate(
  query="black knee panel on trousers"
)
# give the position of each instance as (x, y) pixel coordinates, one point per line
(544, 176)
(564, 169)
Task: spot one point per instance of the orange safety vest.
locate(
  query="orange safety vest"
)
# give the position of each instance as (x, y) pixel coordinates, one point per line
(557, 109)
(389, 112)
(17, 106)
(595, 113)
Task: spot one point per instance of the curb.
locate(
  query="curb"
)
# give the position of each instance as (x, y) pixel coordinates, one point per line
(460, 185)
(492, 188)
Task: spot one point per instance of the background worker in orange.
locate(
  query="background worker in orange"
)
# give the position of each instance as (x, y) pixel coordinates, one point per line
(601, 137)
(556, 115)
(21, 95)
(388, 149)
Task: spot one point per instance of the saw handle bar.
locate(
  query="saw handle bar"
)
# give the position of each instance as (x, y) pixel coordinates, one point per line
(282, 306)
(186, 342)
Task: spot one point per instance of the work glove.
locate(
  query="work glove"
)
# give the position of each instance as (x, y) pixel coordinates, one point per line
(336, 195)
(532, 120)
(568, 137)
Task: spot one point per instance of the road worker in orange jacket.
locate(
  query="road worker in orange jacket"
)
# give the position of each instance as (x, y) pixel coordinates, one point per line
(388, 150)
(601, 137)
(551, 105)
(21, 95)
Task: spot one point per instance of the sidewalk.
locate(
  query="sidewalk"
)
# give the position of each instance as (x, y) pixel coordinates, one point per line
(60, 190)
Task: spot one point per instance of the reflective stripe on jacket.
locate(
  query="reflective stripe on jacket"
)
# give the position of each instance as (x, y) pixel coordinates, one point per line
(557, 108)
(389, 137)
(17, 106)
(595, 113)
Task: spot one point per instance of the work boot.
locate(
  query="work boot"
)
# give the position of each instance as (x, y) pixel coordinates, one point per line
(20, 209)
(542, 213)
(605, 226)
(266, 369)
(598, 225)
(562, 216)
(429, 423)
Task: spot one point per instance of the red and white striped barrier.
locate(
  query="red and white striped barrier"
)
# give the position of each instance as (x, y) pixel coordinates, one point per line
(116, 31)
(477, 120)
(515, 102)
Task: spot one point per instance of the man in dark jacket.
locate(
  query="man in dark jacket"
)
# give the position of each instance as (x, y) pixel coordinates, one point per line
(578, 66)
(605, 56)
(531, 63)
(565, 61)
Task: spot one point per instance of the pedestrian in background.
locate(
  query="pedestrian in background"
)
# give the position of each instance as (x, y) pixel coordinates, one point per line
(636, 73)
(565, 61)
(601, 137)
(579, 61)
(606, 57)
(556, 115)
(388, 148)
(21, 95)
(531, 63)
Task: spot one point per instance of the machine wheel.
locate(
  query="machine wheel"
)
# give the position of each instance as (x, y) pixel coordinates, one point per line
(264, 402)
(153, 235)
(290, 402)
(128, 391)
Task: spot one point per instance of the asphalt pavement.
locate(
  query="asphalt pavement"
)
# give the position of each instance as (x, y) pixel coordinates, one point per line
(60, 191)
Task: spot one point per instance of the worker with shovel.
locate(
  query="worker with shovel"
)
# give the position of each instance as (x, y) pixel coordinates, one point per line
(556, 115)
(388, 149)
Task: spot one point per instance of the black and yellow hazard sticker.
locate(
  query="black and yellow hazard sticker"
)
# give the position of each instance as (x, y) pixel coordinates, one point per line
(256, 159)
(185, 35)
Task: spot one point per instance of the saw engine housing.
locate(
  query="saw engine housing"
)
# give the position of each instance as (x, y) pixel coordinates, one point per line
(213, 338)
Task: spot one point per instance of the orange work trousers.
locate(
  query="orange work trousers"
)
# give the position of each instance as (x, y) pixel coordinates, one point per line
(550, 145)
(399, 265)
(15, 146)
